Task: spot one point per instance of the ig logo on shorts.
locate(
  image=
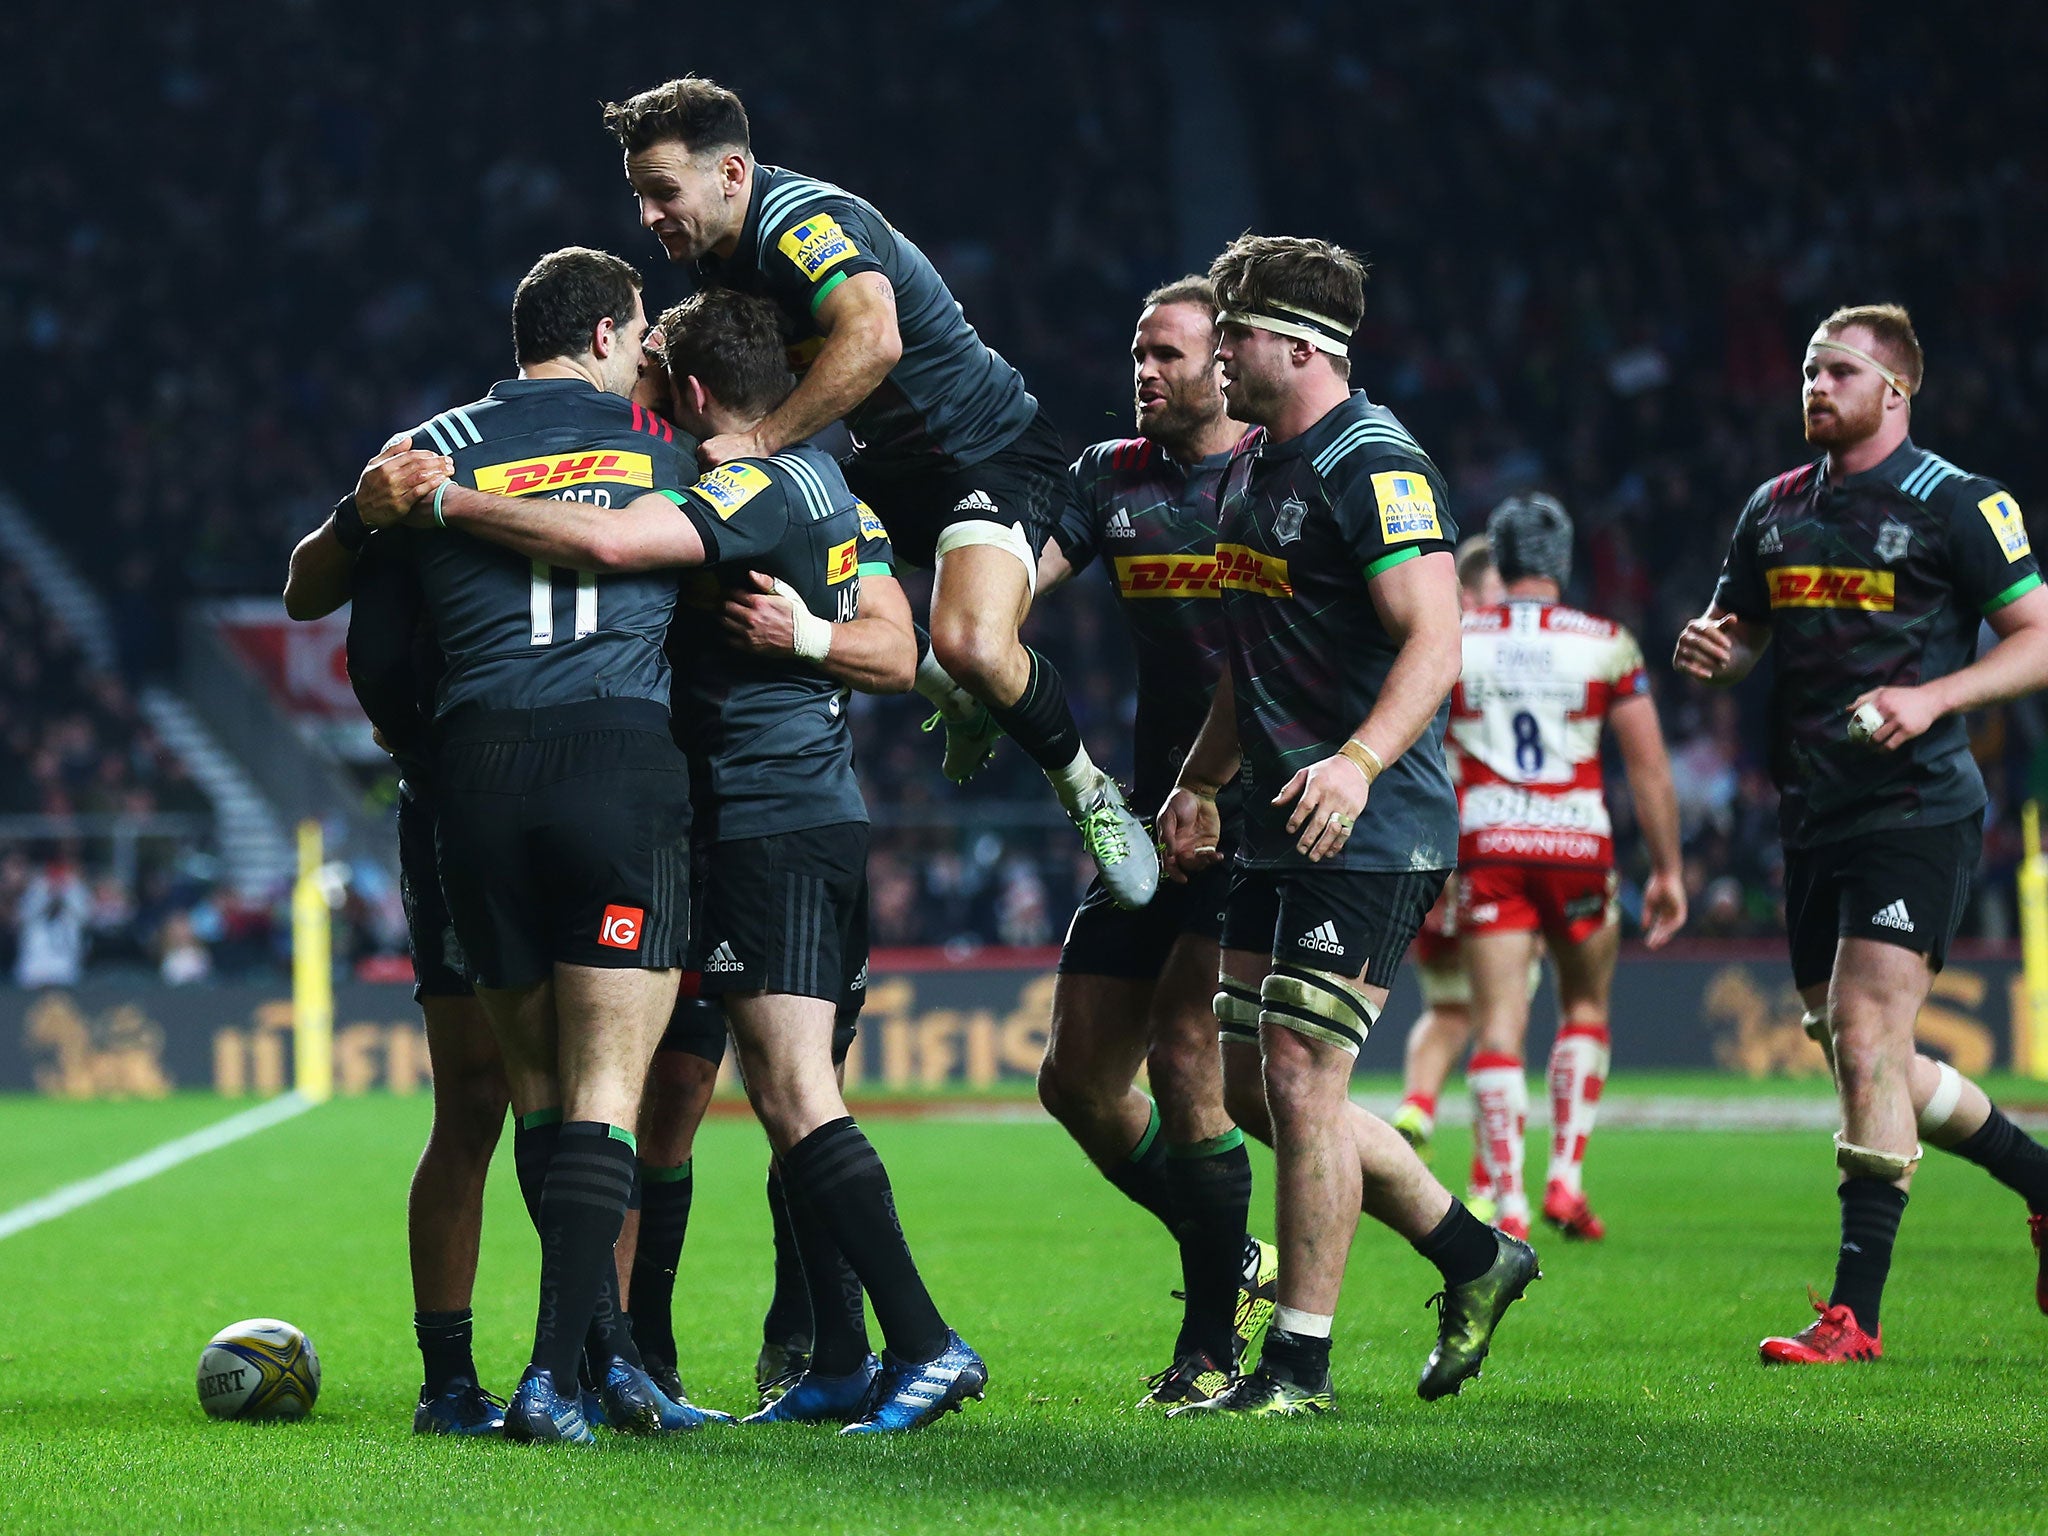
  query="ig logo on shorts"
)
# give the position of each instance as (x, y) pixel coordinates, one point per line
(621, 927)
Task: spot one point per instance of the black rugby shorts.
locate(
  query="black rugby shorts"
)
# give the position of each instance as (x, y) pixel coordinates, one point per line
(1908, 886)
(1342, 921)
(563, 837)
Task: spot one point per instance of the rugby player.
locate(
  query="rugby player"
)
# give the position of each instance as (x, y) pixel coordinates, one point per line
(1541, 683)
(1872, 566)
(1438, 1037)
(786, 887)
(394, 665)
(950, 448)
(1135, 987)
(1340, 597)
(562, 833)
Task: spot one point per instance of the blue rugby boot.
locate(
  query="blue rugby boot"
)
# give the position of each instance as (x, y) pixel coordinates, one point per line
(593, 1409)
(539, 1412)
(816, 1399)
(463, 1409)
(907, 1396)
(634, 1405)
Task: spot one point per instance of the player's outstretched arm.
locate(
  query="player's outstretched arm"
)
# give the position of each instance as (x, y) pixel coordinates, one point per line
(1189, 825)
(875, 653)
(1641, 740)
(2011, 669)
(861, 344)
(649, 533)
(1719, 648)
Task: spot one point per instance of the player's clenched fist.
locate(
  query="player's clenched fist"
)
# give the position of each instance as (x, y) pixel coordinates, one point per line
(1189, 827)
(1706, 648)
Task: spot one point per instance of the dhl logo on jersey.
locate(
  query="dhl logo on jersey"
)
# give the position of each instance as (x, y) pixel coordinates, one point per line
(1407, 507)
(842, 563)
(1167, 576)
(817, 246)
(1831, 586)
(1240, 568)
(523, 477)
(2003, 514)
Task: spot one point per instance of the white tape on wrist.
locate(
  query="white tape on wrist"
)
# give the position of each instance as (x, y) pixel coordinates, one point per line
(812, 639)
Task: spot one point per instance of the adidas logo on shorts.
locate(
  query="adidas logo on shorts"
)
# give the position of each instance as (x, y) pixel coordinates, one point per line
(1894, 916)
(1120, 526)
(1324, 938)
(975, 503)
(722, 959)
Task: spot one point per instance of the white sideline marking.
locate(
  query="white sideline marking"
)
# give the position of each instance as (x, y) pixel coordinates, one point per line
(183, 1149)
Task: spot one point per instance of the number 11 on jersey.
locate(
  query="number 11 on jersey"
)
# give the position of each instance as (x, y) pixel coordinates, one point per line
(541, 603)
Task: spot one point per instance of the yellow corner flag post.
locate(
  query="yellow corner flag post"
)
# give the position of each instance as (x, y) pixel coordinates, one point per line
(312, 974)
(2030, 1034)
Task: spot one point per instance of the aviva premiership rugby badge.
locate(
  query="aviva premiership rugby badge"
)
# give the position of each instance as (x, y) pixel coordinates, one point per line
(1407, 507)
(1287, 523)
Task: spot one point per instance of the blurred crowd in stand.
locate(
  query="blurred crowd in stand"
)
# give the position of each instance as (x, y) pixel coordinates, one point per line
(248, 243)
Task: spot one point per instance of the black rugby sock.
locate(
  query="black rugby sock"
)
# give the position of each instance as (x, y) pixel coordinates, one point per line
(839, 1340)
(1298, 1358)
(664, 1222)
(445, 1348)
(838, 1172)
(1141, 1175)
(1461, 1246)
(788, 1320)
(534, 1138)
(2010, 1156)
(1040, 721)
(582, 1205)
(1211, 1185)
(1871, 1209)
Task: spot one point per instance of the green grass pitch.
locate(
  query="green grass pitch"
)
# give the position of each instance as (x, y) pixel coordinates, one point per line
(1623, 1395)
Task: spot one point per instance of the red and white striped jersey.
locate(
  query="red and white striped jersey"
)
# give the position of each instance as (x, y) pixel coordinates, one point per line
(1526, 720)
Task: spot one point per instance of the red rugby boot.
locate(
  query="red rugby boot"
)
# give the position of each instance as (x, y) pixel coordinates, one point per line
(1567, 1211)
(1835, 1338)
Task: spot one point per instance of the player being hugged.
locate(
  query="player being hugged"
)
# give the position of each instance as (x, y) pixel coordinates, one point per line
(1542, 683)
(562, 835)
(1873, 566)
(1340, 596)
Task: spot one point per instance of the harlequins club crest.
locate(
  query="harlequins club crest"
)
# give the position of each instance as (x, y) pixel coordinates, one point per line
(1892, 540)
(1287, 525)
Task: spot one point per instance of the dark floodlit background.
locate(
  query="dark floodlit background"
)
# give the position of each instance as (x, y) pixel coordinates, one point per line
(243, 243)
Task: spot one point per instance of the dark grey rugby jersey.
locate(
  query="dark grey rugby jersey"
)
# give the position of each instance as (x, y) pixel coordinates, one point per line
(518, 634)
(1305, 527)
(1874, 580)
(950, 399)
(770, 747)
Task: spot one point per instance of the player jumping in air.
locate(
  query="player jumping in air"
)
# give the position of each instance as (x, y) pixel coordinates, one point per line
(1872, 568)
(950, 449)
(1340, 597)
(1135, 987)
(1541, 684)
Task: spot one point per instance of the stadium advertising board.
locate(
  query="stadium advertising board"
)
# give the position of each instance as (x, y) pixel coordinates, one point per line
(930, 1024)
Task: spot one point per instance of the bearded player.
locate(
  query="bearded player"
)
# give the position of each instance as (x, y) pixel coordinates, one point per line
(1542, 684)
(1874, 566)
(1135, 986)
